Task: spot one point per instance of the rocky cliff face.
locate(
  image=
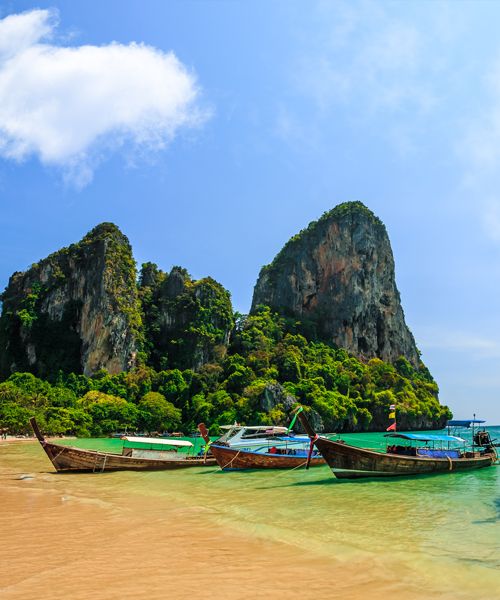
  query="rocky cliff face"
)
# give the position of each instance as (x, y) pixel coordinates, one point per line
(337, 277)
(77, 310)
(187, 322)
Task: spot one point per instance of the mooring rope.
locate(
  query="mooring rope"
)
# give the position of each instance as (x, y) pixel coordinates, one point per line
(231, 461)
(286, 471)
(59, 454)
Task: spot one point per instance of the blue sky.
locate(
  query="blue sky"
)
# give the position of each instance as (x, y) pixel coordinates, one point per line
(279, 111)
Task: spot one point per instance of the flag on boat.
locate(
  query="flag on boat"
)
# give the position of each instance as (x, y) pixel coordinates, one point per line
(392, 427)
(392, 415)
(392, 407)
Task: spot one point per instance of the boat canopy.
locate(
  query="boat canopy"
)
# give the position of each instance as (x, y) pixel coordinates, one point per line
(156, 441)
(421, 437)
(466, 423)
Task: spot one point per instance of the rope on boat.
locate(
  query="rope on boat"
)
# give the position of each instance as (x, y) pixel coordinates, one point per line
(450, 468)
(286, 471)
(231, 461)
(97, 456)
(58, 455)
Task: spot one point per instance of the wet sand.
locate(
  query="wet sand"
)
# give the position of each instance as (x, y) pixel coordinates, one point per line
(60, 544)
(63, 547)
(95, 536)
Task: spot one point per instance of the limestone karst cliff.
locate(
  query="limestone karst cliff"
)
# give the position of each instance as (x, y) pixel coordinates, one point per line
(187, 323)
(326, 330)
(337, 277)
(76, 310)
(80, 310)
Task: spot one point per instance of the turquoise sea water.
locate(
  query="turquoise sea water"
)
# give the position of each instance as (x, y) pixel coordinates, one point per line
(440, 533)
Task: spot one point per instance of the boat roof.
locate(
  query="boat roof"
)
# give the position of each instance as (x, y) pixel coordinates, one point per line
(424, 437)
(465, 423)
(163, 441)
(263, 428)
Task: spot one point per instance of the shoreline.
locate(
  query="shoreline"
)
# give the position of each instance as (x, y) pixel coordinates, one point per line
(217, 535)
(32, 438)
(130, 545)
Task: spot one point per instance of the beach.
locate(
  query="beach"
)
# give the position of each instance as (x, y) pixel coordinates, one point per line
(242, 535)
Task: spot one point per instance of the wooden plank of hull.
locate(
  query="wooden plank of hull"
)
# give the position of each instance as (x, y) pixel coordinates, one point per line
(349, 462)
(233, 459)
(68, 458)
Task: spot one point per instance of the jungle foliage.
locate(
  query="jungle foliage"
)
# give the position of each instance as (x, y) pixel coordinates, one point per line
(267, 367)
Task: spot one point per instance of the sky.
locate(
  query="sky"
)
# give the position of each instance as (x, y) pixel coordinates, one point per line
(212, 131)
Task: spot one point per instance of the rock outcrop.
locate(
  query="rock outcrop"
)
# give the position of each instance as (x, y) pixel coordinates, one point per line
(77, 310)
(337, 277)
(187, 322)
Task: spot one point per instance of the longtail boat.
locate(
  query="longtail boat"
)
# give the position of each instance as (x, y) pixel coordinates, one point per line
(350, 462)
(274, 452)
(138, 454)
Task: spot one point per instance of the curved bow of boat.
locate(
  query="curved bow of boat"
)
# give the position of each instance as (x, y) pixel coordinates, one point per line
(36, 430)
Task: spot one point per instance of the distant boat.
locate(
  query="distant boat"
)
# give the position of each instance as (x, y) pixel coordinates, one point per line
(138, 454)
(466, 423)
(259, 447)
(350, 462)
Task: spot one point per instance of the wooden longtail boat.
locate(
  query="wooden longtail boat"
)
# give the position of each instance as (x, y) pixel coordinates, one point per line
(233, 459)
(350, 462)
(269, 455)
(68, 458)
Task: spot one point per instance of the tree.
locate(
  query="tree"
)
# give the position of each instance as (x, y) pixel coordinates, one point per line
(157, 414)
(109, 413)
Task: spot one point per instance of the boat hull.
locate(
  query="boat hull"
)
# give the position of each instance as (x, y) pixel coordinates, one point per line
(349, 462)
(70, 459)
(234, 459)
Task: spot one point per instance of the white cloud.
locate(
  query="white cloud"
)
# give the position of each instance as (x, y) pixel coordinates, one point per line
(70, 106)
(478, 148)
(490, 215)
(18, 32)
(363, 64)
(480, 144)
(364, 54)
(459, 341)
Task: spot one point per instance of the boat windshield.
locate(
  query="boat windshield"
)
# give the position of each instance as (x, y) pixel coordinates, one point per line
(251, 432)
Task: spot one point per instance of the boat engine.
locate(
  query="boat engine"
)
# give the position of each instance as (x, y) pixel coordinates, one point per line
(483, 439)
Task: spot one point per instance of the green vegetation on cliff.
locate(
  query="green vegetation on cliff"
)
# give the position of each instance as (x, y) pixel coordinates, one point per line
(268, 367)
(45, 324)
(89, 348)
(346, 209)
(187, 323)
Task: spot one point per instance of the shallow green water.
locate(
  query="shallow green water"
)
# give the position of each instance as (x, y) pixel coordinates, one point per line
(442, 531)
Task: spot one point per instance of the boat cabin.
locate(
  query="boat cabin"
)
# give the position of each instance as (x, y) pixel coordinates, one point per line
(426, 445)
(255, 435)
(143, 447)
(236, 433)
(260, 438)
